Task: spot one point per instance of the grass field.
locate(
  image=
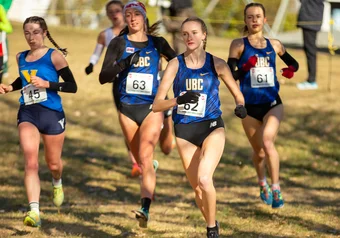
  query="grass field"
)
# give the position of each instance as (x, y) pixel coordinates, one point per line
(100, 194)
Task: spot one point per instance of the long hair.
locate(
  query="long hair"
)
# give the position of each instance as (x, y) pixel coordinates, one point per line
(203, 27)
(253, 4)
(42, 23)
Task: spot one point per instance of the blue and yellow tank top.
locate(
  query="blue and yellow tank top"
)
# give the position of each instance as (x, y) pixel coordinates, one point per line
(44, 69)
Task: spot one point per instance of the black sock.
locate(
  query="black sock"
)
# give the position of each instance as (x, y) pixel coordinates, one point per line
(146, 202)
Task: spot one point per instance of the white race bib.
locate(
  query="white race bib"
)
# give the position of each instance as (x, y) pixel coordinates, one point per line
(193, 109)
(262, 77)
(33, 94)
(138, 83)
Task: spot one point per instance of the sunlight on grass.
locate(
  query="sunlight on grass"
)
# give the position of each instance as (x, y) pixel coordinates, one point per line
(100, 194)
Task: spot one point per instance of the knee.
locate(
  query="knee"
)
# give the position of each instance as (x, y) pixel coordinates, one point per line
(145, 164)
(205, 182)
(268, 145)
(260, 154)
(166, 149)
(54, 166)
(31, 166)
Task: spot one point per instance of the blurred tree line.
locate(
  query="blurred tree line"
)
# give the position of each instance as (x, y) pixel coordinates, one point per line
(226, 19)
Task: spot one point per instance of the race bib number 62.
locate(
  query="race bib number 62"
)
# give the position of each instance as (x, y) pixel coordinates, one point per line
(193, 109)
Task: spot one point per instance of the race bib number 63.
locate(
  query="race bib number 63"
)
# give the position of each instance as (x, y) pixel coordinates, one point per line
(138, 83)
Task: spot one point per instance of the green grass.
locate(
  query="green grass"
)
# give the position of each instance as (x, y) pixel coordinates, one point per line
(100, 194)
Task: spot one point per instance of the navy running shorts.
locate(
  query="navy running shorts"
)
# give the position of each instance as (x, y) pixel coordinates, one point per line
(48, 121)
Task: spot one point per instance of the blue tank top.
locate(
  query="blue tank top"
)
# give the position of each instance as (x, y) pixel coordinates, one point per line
(203, 80)
(44, 69)
(139, 83)
(260, 84)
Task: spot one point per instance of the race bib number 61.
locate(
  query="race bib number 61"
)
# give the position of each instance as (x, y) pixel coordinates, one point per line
(262, 77)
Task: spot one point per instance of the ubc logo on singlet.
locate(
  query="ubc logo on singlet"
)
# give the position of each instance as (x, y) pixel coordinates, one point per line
(263, 62)
(262, 75)
(194, 84)
(193, 109)
(143, 62)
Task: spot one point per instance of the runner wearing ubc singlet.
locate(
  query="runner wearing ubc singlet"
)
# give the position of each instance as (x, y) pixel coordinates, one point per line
(135, 56)
(259, 85)
(203, 80)
(199, 128)
(252, 61)
(138, 85)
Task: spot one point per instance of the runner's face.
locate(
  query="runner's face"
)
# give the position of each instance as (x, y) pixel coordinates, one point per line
(115, 14)
(254, 19)
(135, 20)
(192, 34)
(34, 35)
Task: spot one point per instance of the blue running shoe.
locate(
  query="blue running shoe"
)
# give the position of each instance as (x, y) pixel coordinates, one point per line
(307, 86)
(277, 199)
(142, 216)
(266, 194)
(155, 165)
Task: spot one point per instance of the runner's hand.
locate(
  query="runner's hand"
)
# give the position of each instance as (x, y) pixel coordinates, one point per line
(240, 111)
(250, 63)
(188, 97)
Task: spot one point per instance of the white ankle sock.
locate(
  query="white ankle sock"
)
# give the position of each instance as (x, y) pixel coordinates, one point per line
(34, 206)
(56, 182)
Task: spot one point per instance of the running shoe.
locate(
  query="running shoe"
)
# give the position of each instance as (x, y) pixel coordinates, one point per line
(277, 199)
(136, 170)
(214, 233)
(32, 219)
(58, 195)
(142, 216)
(266, 194)
(307, 85)
(155, 165)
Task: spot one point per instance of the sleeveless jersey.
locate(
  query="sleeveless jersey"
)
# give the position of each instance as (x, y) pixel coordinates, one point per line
(203, 80)
(139, 83)
(109, 35)
(44, 69)
(260, 84)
